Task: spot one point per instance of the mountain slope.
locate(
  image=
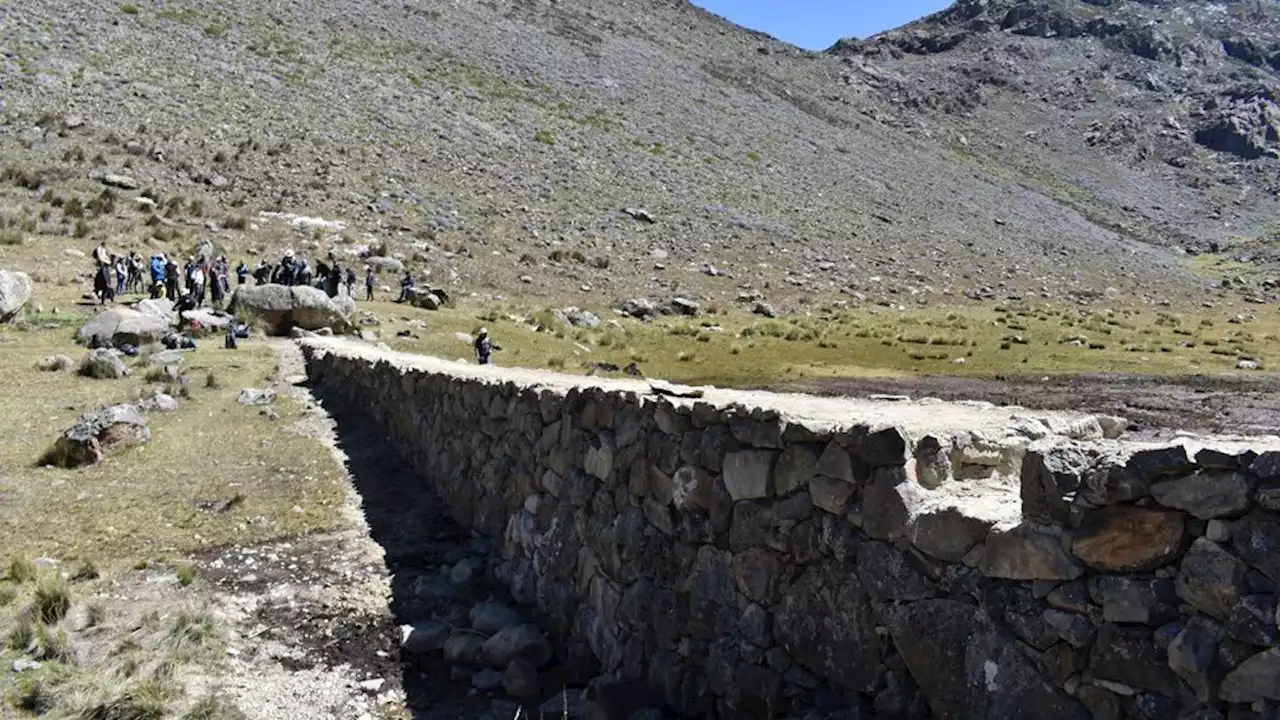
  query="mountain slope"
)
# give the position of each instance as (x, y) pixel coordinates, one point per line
(1162, 117)
(501, 141)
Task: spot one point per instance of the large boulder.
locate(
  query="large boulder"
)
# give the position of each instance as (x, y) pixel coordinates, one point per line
(282, 307)
(385, 264)
(97, 433)
(15, 291)
(120, 326)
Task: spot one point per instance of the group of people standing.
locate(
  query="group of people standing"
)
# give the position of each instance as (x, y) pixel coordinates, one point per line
(200, 276)
(203, 277)
(328, 275)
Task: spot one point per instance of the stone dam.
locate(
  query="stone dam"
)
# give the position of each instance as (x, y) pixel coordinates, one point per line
(758, 555)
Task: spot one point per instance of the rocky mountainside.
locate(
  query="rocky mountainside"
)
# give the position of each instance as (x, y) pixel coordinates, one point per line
(1160, 119)
(597, 149)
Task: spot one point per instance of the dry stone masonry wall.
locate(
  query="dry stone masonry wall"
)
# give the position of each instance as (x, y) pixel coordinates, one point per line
(746, 562)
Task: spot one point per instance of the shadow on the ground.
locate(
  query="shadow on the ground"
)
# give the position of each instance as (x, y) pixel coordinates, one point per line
(422, 544)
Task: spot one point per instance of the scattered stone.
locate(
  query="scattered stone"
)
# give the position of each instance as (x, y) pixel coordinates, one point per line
(372, 686)
(159, 402)
(254, 396)
(103, 364)
(56, 363)
(520, 641)
(95, 434)
(685, 306)
(1123, 538)
(15, 293)
(22, 665)
(638, 308)
(1210, 578)
(764, 309)
(124, 182)
(521, 680)
(463, 648)
(1248, 365)
(167, 358)
(639, 214)
(491, 618)
(1207, 494)
(465, 571)
(487, 680)
(423, 637)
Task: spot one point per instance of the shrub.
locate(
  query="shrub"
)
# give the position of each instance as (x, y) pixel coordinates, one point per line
(129, 9)
(545, 137)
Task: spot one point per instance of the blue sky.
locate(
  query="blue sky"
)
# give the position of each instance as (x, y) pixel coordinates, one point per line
(817, 24)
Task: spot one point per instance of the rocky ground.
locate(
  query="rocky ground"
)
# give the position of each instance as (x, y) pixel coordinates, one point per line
(598, 151)
(1155, 407)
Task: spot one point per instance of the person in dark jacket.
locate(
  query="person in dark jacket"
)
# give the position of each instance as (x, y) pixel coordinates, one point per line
(242, 273)
(171, 279)
(406, 284)
(370, 279)
(484, 346)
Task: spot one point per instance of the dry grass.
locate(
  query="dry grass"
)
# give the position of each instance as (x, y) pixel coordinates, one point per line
(740, 350)
(141, 503)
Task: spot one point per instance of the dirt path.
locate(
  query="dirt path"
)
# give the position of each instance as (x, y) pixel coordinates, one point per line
(316, 621)
(1238, 405)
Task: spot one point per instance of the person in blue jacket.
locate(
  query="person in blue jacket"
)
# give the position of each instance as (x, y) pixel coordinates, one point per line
(157, 275)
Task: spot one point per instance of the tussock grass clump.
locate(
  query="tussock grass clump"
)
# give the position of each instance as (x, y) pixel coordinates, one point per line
(214, 707)
(21, 570)
(52, 597)
(187, 574)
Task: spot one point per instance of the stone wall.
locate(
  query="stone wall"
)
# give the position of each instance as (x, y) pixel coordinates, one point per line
(746, 562)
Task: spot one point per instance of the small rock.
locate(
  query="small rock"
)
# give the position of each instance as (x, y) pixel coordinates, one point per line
(486, 680)
(56, 363)
(423, 637)
(1248, 365)
(124, 182)
(103, 364)
(521, 679)
(254, 396)
(23, 665)
(685, 306)
(520, 641)
(764, 309)
(372, 686)
(465, 571)
(491, 618)
(462, 648)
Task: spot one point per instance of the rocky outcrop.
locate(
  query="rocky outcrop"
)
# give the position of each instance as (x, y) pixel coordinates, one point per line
(758, 555)
(15, 291)
(97, 433)
(282, 308)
